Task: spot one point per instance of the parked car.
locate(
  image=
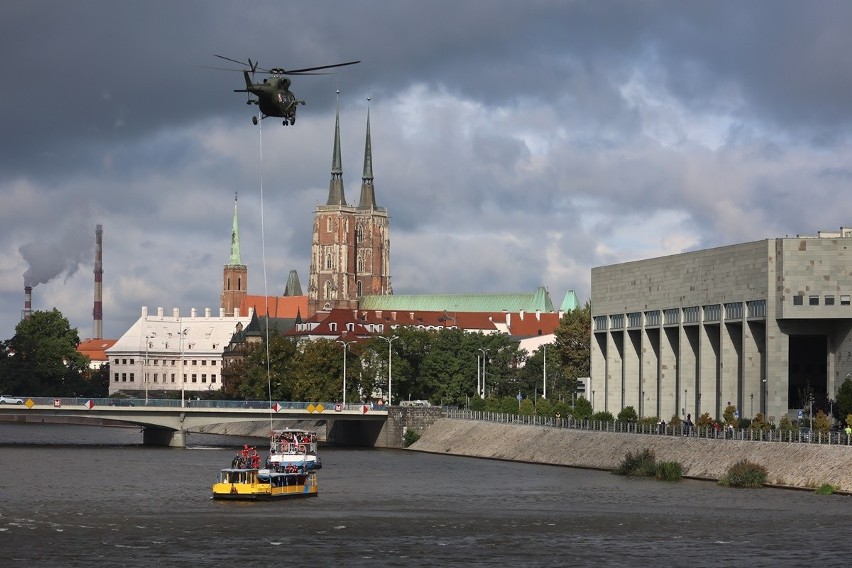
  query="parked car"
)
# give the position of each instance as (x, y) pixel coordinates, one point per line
(10, 400)
(805, 434)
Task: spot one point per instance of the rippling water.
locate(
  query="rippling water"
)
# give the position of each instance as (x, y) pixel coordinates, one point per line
(84, 496)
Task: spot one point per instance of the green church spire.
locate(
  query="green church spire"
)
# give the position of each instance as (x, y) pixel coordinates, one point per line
(235, 239)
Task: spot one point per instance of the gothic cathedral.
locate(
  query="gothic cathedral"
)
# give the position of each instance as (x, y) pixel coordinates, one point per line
(350, 250)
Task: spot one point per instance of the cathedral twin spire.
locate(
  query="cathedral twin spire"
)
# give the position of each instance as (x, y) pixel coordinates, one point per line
(336, 194)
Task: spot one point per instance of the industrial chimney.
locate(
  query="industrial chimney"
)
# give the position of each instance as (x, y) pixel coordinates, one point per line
(28, 302)
(98, 311)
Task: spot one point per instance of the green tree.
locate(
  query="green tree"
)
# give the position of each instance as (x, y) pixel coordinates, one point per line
(41, 359)
(843, 405)
(628, 414)
(573, 344)
(582, 409)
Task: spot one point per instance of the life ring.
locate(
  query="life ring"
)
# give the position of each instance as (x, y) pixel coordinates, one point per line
(301, 448)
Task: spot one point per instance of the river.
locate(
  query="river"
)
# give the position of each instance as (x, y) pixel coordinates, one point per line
(88, 496)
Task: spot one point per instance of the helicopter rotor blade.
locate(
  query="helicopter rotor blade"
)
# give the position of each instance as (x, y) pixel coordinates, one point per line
(232, 60)
(306, 69)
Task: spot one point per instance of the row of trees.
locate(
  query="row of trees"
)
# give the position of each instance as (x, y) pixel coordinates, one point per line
(435, 365)
(441, 366)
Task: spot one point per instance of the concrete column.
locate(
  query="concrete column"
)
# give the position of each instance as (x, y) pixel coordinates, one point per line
(670, 391)
(708, 370)
(688, 368)
(650, 372)
(611, 397)
(754, 340)
(731, 366)
(632, 370)
(163, 437)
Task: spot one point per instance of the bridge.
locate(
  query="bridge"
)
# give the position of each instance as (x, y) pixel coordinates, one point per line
(165, 422)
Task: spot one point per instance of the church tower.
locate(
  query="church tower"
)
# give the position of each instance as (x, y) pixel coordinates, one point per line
(235, 274)
(350, 251)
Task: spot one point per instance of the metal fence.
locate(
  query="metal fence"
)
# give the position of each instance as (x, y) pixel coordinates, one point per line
(709, 432)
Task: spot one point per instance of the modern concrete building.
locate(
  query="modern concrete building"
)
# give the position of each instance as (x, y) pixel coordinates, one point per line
(757, 325)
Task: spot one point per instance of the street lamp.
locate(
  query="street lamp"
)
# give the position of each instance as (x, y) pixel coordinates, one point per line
(148, 339)
(182, 375)
(390, 363)
(345, 348)
(484, 359)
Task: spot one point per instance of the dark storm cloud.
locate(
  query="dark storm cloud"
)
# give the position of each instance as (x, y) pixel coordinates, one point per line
(515, 143)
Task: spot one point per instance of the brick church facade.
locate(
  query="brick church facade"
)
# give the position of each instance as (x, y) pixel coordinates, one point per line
(350, 250)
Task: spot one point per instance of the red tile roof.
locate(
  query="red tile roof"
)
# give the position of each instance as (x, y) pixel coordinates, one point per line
(95, 349)
(285, 307)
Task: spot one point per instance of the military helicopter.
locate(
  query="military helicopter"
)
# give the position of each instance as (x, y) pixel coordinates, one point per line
(274, 96)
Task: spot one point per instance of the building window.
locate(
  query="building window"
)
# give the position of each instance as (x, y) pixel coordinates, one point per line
(332, 327)
(155, 377)
(829, 300)
(194, 362)
(132, 377)
(123, 377)
(359, 233)
(813, 300)
(213, 363)
(328, 261)
(845, 300)
(328, 290)
(359, 289)
(131, 361)
(173, 378)
(328, 225)
(798, 300)
(116, 378)
(203, 362)
(203, 377)
(212, 378)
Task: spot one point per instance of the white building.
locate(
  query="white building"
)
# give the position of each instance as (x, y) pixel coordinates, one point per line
(173, 353)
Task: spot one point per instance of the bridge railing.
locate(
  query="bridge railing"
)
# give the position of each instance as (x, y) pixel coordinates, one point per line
(59, 402)
(708, 432)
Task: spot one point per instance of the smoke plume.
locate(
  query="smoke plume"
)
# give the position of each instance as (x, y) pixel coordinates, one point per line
(47, 260)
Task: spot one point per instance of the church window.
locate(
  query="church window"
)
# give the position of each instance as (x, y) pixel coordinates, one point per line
(328, 226)
(358, 285)
(360, 233)
(328, 290)
(360, 264)
(328, 261)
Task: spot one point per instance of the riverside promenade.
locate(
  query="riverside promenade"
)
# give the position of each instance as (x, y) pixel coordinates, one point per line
(788, 464)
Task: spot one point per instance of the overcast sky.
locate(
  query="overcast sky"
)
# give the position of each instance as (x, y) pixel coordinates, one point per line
(515, 143)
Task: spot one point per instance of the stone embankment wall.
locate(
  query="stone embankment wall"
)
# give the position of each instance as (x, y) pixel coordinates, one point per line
(788, 464)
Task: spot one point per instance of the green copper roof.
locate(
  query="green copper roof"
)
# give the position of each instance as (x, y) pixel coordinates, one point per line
(569, 302)
(538, 300)
(235, 240)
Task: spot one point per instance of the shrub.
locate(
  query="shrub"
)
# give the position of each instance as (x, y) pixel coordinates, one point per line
(640, 464)
(744, 474)
(628, 413)
(669, 471)
(410, 437)
(826, 489)
(602, 416)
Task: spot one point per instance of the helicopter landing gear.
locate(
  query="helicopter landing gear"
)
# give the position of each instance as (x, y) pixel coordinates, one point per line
(254, 120)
